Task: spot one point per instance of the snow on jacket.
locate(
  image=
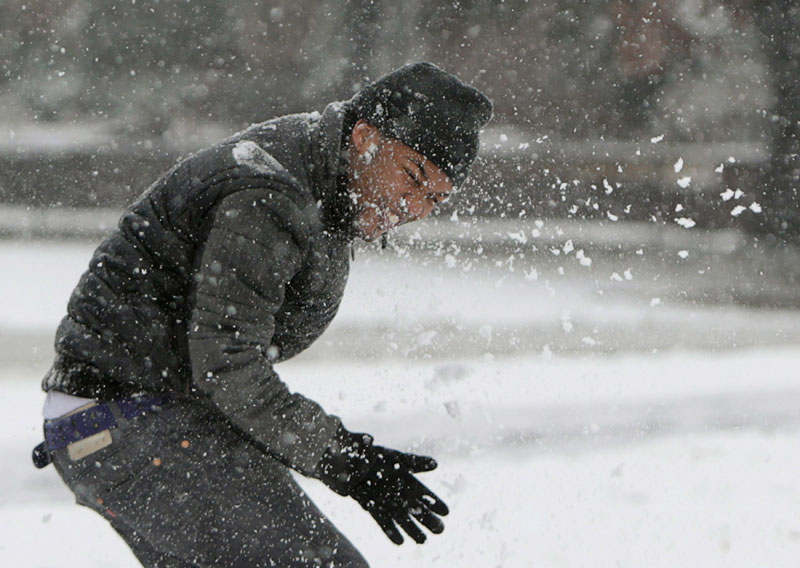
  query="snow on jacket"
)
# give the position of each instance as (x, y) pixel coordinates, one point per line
(235, 259)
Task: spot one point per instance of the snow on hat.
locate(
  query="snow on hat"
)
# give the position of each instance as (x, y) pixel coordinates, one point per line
(431, 111)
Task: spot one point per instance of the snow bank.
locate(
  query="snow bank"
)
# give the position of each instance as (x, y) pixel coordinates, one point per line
(553, 462)
(673, 457)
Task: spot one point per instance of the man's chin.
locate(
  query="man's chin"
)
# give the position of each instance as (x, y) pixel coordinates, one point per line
(371, 236)
(371, 232)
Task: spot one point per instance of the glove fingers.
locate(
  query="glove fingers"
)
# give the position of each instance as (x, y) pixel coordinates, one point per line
(389, 528)
(428, 498)
(428, 520)
(435, 504)
(411, 528)
(418, 464)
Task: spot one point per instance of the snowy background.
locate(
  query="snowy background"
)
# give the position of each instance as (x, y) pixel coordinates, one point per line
(579, 419)
(597, 338)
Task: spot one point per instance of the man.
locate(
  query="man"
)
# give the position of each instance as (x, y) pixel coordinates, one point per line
(164, 413)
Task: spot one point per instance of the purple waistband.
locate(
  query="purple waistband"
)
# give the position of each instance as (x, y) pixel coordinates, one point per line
(64, 431)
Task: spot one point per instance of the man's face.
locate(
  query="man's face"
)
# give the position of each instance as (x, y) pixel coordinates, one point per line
(391, 183)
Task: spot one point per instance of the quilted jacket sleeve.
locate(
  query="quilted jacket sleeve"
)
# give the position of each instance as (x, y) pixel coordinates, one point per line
(255, 246)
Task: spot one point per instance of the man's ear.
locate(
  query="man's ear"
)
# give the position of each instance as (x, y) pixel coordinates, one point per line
(363, 135)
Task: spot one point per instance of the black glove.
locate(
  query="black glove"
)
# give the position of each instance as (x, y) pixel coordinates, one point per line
(382, 481)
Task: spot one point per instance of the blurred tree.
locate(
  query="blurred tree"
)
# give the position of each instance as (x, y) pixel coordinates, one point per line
(363, 18)
(779, 22)
(649, 42)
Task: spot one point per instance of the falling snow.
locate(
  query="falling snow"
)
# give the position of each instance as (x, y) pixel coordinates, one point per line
(601, 385)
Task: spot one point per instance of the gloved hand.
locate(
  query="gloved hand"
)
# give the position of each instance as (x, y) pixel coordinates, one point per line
(382, 481)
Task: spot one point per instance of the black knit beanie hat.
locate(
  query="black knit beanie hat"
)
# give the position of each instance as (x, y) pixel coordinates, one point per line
(431, 111)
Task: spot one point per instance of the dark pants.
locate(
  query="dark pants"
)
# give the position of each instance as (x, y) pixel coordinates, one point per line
(184, 489)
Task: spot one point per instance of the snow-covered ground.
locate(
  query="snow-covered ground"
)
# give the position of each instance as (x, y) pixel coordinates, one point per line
(579, 419)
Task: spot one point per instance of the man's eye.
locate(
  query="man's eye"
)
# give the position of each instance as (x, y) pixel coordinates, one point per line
(414, 178)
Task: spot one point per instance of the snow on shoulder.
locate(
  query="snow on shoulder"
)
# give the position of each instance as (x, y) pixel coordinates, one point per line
(248, 153)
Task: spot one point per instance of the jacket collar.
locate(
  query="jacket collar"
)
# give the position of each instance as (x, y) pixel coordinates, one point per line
(329, 177)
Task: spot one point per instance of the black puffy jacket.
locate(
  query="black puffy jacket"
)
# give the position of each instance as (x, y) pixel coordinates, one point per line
(236, 258)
